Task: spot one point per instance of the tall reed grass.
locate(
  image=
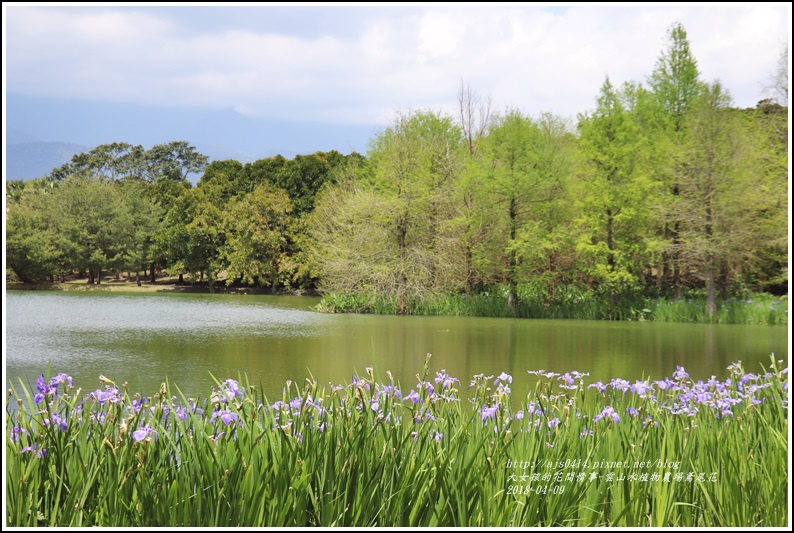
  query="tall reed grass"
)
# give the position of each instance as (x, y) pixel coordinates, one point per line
(670, 452)
(573, 302)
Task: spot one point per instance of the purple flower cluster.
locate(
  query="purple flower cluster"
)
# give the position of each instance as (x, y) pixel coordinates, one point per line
(646, 403)
(50, 388)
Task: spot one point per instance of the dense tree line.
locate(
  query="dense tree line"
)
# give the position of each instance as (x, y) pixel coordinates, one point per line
(661, 186)
(120, 208)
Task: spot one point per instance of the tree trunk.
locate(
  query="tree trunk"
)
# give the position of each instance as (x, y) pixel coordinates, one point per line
(152, 273)
(99, 276)
(711, 301)
(137, 278)
(512, 294)
(676, 253)
(90, 280)
(181, 278)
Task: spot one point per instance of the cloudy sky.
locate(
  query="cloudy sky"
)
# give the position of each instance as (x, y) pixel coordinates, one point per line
(357, 65)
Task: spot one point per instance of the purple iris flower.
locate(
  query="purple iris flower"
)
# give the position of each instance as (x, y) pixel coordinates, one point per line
(40, 452)
(232, 389)
(680, 373)
(608, 411)
(137, 404)
(16, 431)
(445, 379)
(413, 396)
(553, 423)
(507, 378)
(391, 390)
(620, 384)
(427, 385)
(142, 433)
(62, 423)
(61, 378)
(489, 412)
(181, 413)
(43, 389)
(569, 381)
(110, 394)
(226, 416)
(640, 388)
(600, 387)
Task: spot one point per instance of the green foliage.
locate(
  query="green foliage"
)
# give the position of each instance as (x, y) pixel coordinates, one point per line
(571, 301)
(615, 220)
(257, 227)
(33, 252)
(386, 228)
(652, 454)
(659, 189)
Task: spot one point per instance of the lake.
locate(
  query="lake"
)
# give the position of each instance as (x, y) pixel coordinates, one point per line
(145, 338)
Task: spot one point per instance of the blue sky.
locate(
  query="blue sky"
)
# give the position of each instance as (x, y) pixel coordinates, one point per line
(358, 65)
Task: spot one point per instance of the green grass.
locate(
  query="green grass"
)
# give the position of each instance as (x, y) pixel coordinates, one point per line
(356, 455)
(572, 302)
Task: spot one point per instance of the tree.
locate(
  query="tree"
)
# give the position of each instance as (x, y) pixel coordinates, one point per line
(93, 220)
(615, 218)
(33, 243)
(474, 115)
(520, 164)
(174, 161)
(110, 162)
(257, 229)
(302, 177)
(777, 87)
(144, 220)
(675, 86)
(223, 180)
(192, 235)
(725, 194)
(384, 229)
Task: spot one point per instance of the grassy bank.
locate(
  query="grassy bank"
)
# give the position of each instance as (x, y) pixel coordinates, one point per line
(574, 302)
(670, 452)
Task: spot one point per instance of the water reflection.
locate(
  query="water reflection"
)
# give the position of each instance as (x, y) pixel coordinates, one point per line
(143, 339)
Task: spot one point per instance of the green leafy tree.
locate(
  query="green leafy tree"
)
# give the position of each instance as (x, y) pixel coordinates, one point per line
(191, 236)
(223, 180)
(724, 194)
(258, 228)
(614, 199)
(93, 220)
(675, 86)
(174, 161)
(145, 217)
(384, 228)
(111, 162)
(33, 242)
(520, 163)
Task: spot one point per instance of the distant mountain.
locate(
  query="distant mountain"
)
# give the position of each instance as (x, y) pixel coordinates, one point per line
(30, 160)
(36, 125)
(15, 136)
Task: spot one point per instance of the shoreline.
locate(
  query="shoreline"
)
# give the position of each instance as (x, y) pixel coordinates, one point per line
(166, 285)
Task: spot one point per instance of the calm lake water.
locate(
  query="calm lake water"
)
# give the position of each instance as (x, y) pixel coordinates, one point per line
(144, 339)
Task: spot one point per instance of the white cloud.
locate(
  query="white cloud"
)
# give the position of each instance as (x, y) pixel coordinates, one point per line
(523, 56)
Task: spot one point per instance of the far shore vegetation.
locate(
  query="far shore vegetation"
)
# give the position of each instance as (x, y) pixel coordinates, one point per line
(662, 202)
